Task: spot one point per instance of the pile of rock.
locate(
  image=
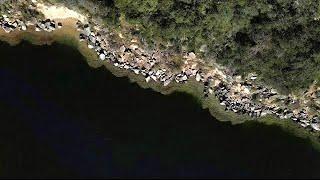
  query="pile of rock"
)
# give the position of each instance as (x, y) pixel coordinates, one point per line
(129, 58)
(241, 105)
(10, 25)
(132, 58)
(47, 25)
(236, 95)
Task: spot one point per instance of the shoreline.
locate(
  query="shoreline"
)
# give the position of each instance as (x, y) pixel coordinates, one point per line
(69, 36)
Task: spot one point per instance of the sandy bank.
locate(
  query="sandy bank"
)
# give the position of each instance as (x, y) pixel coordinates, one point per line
(60, 12)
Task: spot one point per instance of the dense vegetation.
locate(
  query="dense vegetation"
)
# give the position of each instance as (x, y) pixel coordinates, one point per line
(278, 39)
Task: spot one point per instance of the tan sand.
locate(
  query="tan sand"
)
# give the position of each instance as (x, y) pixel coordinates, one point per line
(60, 12)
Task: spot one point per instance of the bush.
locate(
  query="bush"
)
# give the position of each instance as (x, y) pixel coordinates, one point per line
(278, 39)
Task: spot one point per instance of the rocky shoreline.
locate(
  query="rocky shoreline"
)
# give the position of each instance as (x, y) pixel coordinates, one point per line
(239, 95)
(237, 99)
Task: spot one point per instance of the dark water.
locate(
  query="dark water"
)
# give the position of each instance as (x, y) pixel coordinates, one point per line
(61, 118)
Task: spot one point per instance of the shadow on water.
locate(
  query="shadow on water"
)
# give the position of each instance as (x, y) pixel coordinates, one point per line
(59, 117)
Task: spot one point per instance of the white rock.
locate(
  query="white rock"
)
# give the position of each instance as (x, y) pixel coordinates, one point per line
(23, 28)
(303, 125)
(92, 39)
(90, 46)
(102, 56)
(87, 31)
(198, 77)
(167, 82)
(315, 126)
(148, 79)
(185, 77)
(192, 55)
(133, 46)
(154, 78)
(253, 77)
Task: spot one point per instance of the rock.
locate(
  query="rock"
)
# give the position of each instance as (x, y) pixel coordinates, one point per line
(203, 48)
(133, 46)
(23, 28)
(184, 78)
(92, 39)
(154, 78)
(315, 126)
(122, 49)
(136, 71)
(167, 82)
(210, 91)
(59, 25)
(102, 56)
(90, 46)
(253, 77)
(148, 79)
(87, 31)
(198, 77)
(191, 55)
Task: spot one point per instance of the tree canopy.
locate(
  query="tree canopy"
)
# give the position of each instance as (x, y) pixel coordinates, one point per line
(278, 39)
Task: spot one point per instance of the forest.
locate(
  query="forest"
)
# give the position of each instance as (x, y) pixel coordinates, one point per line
(277, 39)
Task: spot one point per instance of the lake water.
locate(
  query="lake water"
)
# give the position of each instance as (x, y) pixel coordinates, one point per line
(61, 118)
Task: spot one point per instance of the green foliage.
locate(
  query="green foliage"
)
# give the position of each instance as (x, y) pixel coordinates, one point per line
(279, 39)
